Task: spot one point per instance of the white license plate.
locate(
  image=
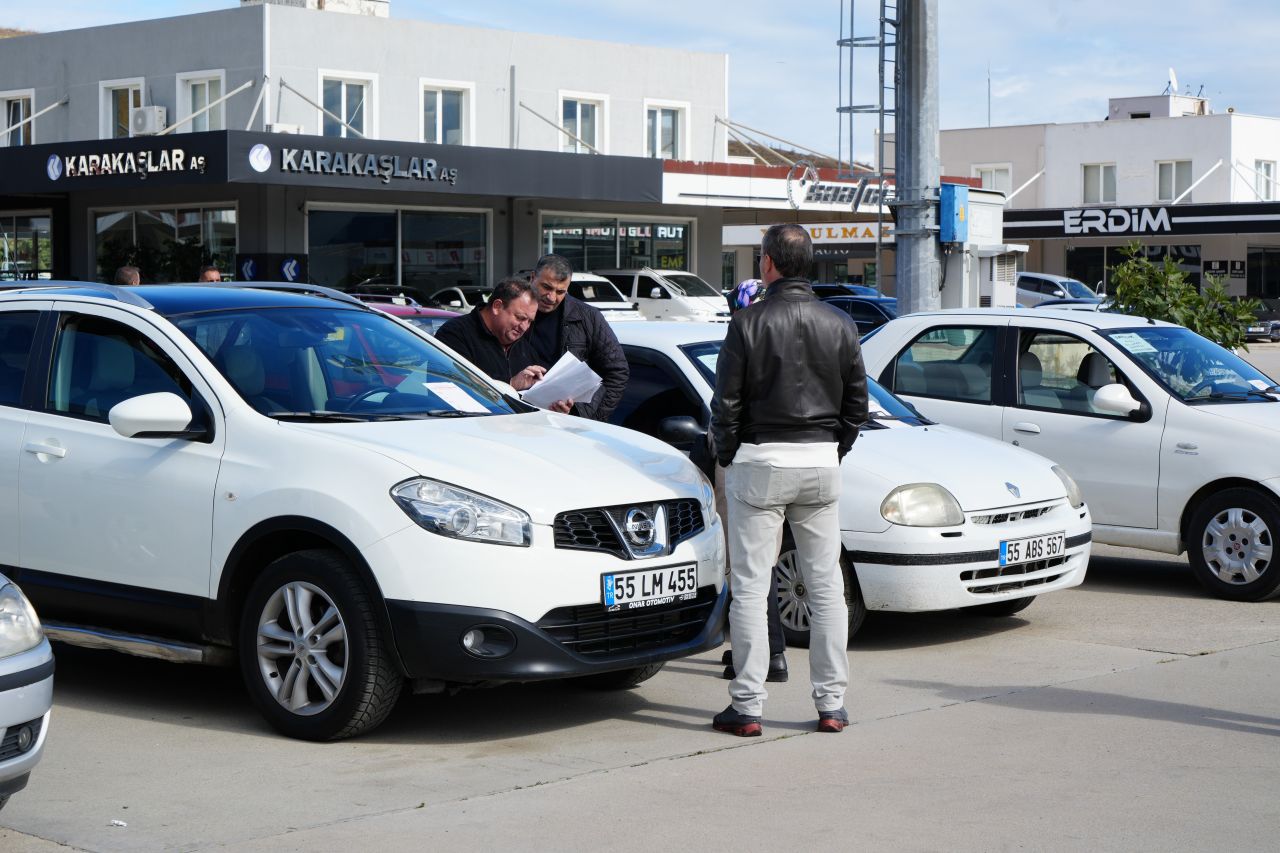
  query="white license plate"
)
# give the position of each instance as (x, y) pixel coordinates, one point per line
(649, 587)
(1032, 548)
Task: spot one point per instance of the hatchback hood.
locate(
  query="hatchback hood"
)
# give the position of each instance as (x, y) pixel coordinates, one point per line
(976, 469)
(1258, 413)
(542, 462)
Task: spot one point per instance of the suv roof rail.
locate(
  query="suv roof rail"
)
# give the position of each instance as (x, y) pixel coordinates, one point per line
(111, 291)
(310, 289)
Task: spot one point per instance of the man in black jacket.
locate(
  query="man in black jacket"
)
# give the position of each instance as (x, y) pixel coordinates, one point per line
(492, 336)
(791, 391)
(565, 324)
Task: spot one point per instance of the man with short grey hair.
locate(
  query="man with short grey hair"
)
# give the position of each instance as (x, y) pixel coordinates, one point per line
(791, 391)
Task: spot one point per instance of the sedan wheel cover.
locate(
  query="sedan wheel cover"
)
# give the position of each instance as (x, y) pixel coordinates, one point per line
(1237, 546)
(302, 648)
(793, 598)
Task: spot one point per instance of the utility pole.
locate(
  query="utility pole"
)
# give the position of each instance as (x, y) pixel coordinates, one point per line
(916, 159)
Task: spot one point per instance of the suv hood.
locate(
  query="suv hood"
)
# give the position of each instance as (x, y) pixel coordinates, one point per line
(542, 462)
(974, 468)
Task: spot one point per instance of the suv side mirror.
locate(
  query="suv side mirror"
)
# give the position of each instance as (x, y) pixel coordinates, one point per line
(1115, 399)
(160, 415)
(656, 293)
(680, 429)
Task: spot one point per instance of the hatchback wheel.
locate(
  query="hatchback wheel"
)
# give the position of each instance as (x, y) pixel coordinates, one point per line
(793, 598)
(311, 652)
(1231, 543)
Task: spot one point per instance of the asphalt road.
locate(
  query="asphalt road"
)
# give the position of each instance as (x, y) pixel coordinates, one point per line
(1132, 713)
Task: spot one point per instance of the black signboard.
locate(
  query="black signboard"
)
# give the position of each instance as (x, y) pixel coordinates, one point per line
(1150, 220)
(1237, 269)
(1215, 268)
(61, 167)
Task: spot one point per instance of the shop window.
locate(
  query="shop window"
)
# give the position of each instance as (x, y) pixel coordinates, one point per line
(441, 249)
(1263, 271)
(665, 131)
(349, 98)
(118, 98)
(1173, 178)
(26, 252)
(446, 112)
(1099, 183)
(582, 118)
(196, 90)
(995, 176)
(166, 244)
(1264, 180)
(587, 242)
(16, 108)
(351, 249)
(728, 268)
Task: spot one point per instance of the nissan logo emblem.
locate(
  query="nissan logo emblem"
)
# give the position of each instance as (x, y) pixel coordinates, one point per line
(639, 527)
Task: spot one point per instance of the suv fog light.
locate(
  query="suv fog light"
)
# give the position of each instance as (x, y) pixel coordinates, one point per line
(26, 737)
(488, 641)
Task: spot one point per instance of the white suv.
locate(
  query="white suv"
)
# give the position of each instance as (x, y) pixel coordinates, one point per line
(291, 479)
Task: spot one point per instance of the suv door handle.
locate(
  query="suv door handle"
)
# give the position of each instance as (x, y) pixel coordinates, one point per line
(1024, 426)
(46, 449)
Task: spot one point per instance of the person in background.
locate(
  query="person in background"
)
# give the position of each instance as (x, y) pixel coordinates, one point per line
(565, 324)
(746, 293)
(209, 275)
(492, 336)
(128, 277)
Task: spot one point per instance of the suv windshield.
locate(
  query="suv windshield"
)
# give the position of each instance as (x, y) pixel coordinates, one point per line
(691, 284)
(1191, 367)
(1077, 289)
(595, 291)
(338, 365)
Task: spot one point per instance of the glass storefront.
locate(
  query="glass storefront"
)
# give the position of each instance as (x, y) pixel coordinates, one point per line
(25, 249)
(607, 242)
(1093, 264)
(1263, 271)
(166, 244)
(416, 252)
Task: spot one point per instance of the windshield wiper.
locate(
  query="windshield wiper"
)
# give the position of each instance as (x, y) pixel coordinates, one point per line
(446, 413)
(331, 417)
(1260, 393)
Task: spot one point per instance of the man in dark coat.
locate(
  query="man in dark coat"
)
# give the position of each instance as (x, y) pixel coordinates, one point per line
(565, 324)
(492, 336)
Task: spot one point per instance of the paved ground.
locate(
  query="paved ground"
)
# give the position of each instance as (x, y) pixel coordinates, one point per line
(1132, 713)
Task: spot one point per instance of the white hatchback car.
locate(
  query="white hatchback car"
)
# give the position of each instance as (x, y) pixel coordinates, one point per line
(26, 689)
(1171, 437)
(931, 518)
(299, 482)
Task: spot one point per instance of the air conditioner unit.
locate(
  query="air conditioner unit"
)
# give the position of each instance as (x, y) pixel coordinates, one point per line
(284, 128)
(147, 121)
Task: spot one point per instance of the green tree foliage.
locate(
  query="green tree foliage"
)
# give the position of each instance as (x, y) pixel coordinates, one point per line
(1143, 289)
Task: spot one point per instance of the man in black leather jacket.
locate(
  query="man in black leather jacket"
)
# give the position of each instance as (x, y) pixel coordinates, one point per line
(790, 392)
(565, 324)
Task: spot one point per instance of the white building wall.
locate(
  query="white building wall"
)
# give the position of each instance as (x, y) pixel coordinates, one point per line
(1022, 147)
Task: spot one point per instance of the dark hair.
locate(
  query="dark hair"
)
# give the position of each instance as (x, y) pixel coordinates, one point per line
(790, 249)
(559, 265)
(510, 289)
(128, 276)
(206, 269)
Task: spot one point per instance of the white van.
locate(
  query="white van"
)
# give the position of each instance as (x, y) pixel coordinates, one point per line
(670, 294)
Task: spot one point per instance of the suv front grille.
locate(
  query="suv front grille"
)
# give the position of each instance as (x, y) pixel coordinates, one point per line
(590, 529)
(592, 631)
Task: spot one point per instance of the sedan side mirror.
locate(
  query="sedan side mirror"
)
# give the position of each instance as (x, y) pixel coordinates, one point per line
(680, 429)
(1115, 399)
(161, 415)
(656, 293)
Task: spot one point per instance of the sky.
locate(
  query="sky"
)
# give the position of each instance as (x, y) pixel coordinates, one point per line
(1048, 60)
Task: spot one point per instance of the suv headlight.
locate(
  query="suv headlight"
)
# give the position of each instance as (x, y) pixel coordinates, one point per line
(460, 514)
(706, 495)
(1074, 495)
(922, 505)
(19, 626)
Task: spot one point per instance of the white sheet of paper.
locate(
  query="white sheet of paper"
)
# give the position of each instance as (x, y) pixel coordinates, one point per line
(568, 379)
(456, 397)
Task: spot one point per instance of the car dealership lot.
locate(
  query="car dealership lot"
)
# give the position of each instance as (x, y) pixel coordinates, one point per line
(1130, 713)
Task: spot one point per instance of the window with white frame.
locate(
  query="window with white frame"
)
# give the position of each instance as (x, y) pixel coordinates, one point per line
(118, 98)
(16, 108)
(665, 130)
(197, 90)
(348, 104)
(995, 176)
(1264, 179)
(1173, 178)
(1099, 183)
(583, 118)
(446, 112)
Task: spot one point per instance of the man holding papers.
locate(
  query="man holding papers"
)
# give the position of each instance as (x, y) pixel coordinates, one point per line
(492, 336)
(565, 327)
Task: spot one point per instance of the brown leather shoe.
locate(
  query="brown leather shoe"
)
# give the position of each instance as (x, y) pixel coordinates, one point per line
(833, 721)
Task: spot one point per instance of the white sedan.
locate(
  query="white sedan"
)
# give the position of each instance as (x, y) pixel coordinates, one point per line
(1171, 437)
(931, 518)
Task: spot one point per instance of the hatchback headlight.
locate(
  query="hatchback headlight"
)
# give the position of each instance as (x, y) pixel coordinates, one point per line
(922, 505)
(1074, 495)
(19, 626)
(460, 514)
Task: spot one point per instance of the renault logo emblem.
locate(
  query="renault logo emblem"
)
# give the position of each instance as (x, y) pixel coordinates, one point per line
(639, 527)
(1013, 490)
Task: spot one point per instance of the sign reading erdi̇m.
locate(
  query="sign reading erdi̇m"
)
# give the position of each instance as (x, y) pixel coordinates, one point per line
(1156, 220)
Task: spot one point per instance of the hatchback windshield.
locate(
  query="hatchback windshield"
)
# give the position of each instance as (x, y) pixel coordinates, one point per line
(691, 284)
(1193, 368)
(337, 365)
(883, 406)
